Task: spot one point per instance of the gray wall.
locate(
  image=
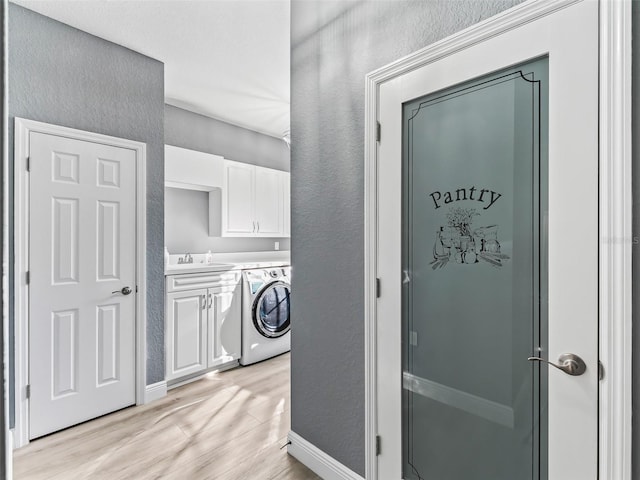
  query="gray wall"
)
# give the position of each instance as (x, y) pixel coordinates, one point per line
(61, 75)
(186, 212)
(186, 129)
(334, 45)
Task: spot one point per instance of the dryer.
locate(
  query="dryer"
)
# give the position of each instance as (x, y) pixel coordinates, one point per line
(266, 324)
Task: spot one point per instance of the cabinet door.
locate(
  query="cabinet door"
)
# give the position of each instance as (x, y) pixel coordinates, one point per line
(286, 204)
(224, 325)
(186, 333)
(268, 206)
(238, 200)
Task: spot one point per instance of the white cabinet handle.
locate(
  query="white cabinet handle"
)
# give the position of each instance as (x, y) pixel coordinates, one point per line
(258, 227)
(254, 227)
(204, 302)
(210, 300)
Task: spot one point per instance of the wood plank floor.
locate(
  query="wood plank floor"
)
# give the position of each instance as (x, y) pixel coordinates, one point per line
(226, 426)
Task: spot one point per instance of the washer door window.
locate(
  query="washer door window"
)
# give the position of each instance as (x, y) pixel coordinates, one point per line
(271, 310)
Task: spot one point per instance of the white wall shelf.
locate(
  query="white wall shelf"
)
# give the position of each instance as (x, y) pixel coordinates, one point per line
(192, 170)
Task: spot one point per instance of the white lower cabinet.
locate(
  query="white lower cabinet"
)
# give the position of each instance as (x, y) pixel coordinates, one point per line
(186, 346)
(223, 327)
(203, 324)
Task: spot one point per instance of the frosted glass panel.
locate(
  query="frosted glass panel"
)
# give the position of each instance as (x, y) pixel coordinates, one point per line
(474, 290)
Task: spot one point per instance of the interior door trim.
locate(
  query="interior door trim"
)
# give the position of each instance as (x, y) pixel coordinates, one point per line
(615, 203)
(23, 128)
(617, 241)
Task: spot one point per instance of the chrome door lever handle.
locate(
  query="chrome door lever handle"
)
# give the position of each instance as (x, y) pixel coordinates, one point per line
(569, 363)
(124, 291)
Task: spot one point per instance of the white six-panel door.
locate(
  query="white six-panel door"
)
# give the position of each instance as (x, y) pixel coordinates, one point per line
(82, 247)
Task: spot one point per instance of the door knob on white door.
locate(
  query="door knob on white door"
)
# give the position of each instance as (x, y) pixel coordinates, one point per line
(569, 363)
(124, 291)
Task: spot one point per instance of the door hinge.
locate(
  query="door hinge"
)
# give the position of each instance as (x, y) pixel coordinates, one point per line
(378, 131)
(28, 391)
(377, 287)
(28, 164)
(136, 288)
(27, 278)
(378, 445)
(600, 370)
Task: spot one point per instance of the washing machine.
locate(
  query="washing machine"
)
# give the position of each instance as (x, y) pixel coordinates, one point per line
(266, 325)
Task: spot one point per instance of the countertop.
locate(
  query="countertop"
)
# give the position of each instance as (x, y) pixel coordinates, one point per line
(228, 261)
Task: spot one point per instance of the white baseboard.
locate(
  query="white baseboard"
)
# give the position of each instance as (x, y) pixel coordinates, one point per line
(315, 459)
(155, 391)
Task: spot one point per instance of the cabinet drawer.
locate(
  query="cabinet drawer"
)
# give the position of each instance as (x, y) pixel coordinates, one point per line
(179, 283)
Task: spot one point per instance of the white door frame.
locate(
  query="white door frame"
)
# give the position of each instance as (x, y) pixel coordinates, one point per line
(23, 128)
(615, 205)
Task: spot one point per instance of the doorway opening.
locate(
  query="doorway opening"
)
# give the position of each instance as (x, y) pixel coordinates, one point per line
(451, 62)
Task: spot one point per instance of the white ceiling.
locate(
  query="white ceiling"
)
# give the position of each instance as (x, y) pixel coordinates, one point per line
(227, 59)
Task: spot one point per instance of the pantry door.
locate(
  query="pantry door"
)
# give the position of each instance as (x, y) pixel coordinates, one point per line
(487, 255)
(82, 289)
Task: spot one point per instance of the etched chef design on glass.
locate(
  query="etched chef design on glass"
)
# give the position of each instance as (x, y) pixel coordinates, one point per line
(460, 240)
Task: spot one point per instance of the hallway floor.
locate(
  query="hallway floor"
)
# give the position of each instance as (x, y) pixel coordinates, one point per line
(226, 426)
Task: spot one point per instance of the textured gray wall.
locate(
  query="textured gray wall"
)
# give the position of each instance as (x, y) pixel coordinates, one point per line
(186, 129)
(334, 45)
(186, 224)
(61, 75)
(186, 220)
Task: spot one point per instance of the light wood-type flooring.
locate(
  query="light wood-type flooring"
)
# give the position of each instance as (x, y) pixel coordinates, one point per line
(226, 426)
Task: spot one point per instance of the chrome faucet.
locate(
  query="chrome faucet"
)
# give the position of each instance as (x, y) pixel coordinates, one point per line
(186, 259)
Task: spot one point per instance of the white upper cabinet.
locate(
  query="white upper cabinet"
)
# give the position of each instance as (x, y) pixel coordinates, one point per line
(244, 200)
(184, 168)
(268, 202)
(238, 198)
(252, 201)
